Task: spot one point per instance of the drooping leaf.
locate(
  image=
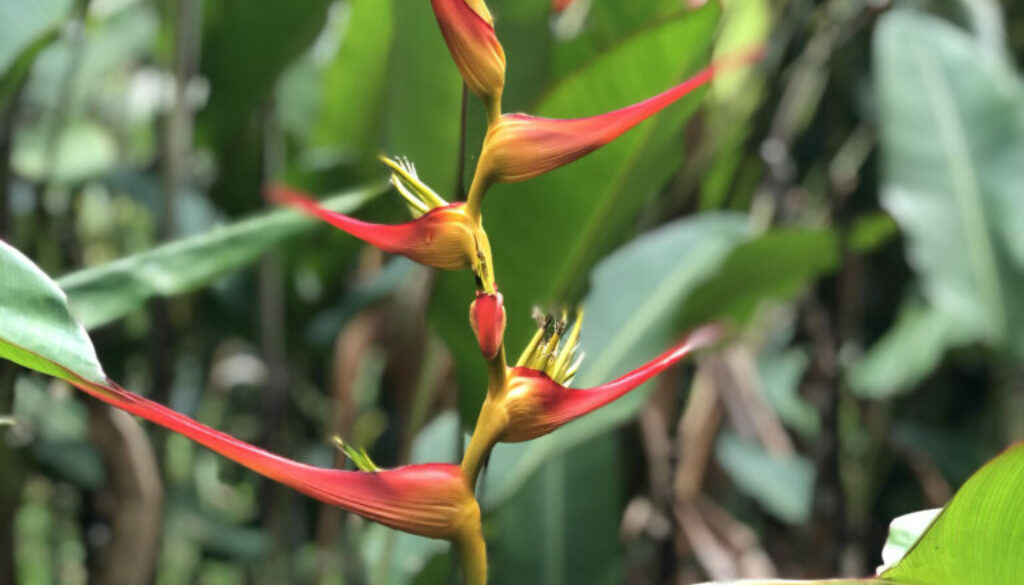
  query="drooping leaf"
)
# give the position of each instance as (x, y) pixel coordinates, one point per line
(783, 485)
(106, 293)
(633, 291)
(36, 328)
(952, 137)
(910, 350)
(776, 265)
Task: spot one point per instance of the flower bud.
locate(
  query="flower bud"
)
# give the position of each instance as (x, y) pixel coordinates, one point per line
(468, 30)
(487, 318)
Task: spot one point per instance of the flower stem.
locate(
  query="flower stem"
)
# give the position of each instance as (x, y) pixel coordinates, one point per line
(473, 552)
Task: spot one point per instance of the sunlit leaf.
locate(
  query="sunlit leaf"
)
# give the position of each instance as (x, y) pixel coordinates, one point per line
(977, 537)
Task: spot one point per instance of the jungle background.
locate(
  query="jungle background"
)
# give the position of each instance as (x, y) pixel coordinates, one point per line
(852, 203)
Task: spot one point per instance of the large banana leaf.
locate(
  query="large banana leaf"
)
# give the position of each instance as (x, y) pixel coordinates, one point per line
(952, 137)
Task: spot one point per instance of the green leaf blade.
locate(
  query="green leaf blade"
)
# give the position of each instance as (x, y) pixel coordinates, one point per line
(979, 536)
(106, 293)
(952, 136)
(36, 328)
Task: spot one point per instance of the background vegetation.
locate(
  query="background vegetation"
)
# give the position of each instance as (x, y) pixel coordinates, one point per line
(853, 204)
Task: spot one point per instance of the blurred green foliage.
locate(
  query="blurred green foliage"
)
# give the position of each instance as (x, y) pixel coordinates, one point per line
(851, 205)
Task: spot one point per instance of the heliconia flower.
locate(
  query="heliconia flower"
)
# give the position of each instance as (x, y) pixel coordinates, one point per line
(444, 236)
(468, 30)
(487, 318)
(432, 500)
(534, 399)
(519, 147)
(538, 402)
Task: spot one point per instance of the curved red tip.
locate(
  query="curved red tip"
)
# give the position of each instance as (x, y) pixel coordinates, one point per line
(521, 146)
(422, 499)
(442, 238)
(553, 405)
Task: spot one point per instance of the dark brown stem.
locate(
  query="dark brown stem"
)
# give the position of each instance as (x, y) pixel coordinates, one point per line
(13, 464)
(133, 500)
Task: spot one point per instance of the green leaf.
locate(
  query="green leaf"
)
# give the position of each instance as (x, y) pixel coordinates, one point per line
(777, 265)
(783, 485)
(23, 23)
(909, 351)
(781, 373)
(589, 28)
(633, 293)
(36, 328)
(424, 105)
(867, 581)
(536, 536)
(244, 50)
(355, 81)
(547, 233)
(524, 25)
(977, 537)
(952, 137)
(106, 293)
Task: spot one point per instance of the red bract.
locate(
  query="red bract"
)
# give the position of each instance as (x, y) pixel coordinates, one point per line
(444, 237)
(468, 30)
(529, 403)
(432, 500)
(536, 404)
(487, 318)
(519, 147)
